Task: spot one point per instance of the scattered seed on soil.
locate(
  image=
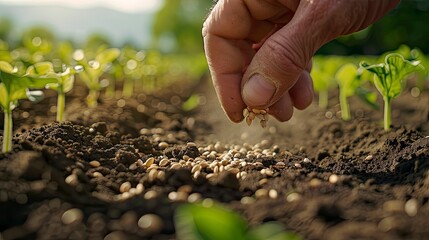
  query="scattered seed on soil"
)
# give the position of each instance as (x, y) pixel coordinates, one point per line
(247, 200)
(194, 197)
(125, 187)
(393, 206)
(261, 193)
(333, 178)
(263, 181)
(149, 162)
(72, 216)
(306, 160)
(297, 165)
(273, 194)
(315, 182)
(151, 223)
(411, 207)
(164, 162)
(368, 158)
(163, 145)
(293, 197)
(94, 164)
(150, 194)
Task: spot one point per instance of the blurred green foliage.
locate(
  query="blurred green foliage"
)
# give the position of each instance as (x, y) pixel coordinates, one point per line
(177, 25)
(406, 24)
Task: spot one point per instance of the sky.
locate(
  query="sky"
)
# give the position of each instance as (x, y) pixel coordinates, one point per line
(130, 6)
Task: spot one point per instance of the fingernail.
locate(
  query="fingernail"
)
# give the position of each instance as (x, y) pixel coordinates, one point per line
(257, 91)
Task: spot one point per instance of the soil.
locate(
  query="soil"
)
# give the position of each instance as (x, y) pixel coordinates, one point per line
(105, 171)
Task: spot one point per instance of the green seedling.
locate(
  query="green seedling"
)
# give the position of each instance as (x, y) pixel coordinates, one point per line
(389, 79)
(347, 80)
(212, 222)
(13, 87)
(322, 73)
(64, 83)
(131, 62)
(93, 69)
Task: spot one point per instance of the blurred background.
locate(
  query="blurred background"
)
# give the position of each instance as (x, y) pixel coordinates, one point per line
(175, 25)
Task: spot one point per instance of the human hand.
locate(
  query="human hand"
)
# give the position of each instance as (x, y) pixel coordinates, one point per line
(259, 51)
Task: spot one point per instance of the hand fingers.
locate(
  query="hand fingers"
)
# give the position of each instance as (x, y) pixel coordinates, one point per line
(229, 33)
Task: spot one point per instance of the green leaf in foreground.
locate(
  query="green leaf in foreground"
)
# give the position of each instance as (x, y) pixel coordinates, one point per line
(14, 87)
(390, 78)
(199, 222)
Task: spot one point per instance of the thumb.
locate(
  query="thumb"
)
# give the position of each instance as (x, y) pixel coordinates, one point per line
(279, 62)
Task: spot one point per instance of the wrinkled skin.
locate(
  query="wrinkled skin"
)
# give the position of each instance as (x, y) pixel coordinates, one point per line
(272, 42)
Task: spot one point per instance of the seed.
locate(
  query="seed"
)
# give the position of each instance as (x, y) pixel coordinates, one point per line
(393, 206)
(149, 162)
(293, 197)
(97, 174)
(153, 175)
(297, 165)
(125, 187)
(368, 158)
(306, 160)
(263, 181)
(151, 194)
(412, 207)
(164, 162)
(333, 178)
(196, 174)
(196, 168)
(251, 116)
(163, 145)
(151, 223)
(273, 194)
(210, 175)
(315, 182)
(261, 193)
(72, 216)
(191, 144)
(72, 180)
(194, 197)
(234, 170)
(94, 164)
(247, 200)
(176, 166)
(185, 157)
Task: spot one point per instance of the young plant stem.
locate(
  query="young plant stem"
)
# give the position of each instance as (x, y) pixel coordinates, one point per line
(128, 88)
(323, 99)
(344, 105)
(387, 114)
(110, 90)
(92, 98)
(7, 133)
(61, 102)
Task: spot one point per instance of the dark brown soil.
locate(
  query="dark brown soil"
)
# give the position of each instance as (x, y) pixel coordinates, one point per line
(89, 177)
